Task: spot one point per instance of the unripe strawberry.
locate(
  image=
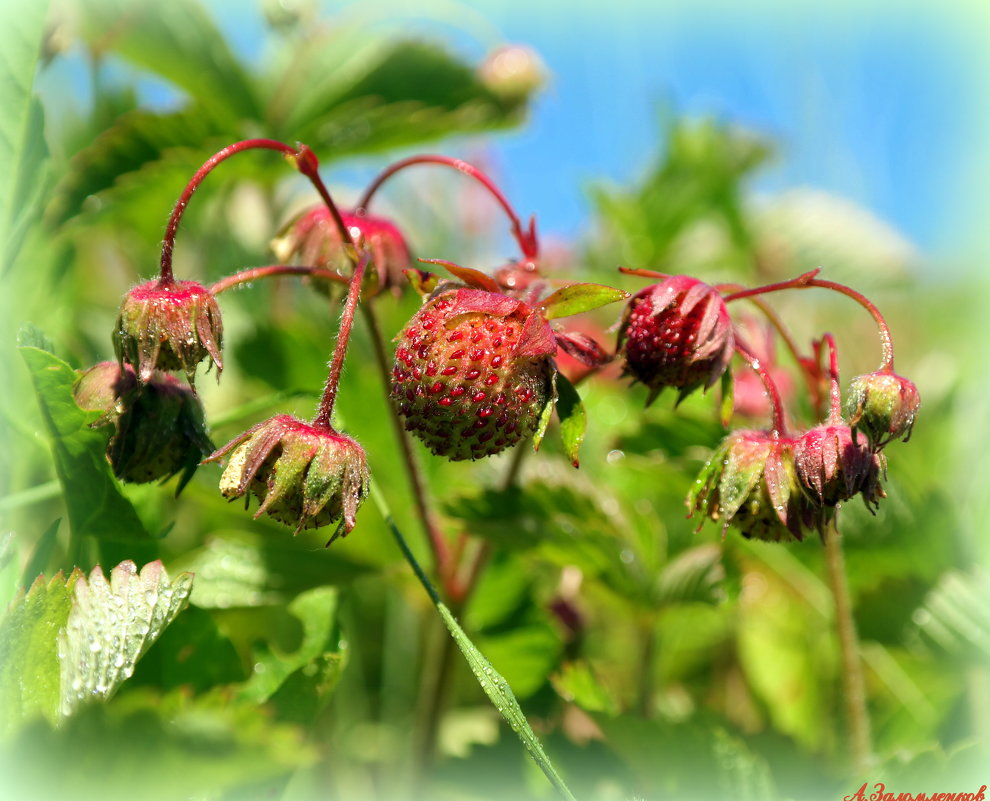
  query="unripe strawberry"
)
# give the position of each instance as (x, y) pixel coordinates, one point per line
(159, 427)
(676, 334)
(751, 483)
(883, 405)
(835, 464)
(473, 373)
(172, 326)
(313, 239)
(305, 476)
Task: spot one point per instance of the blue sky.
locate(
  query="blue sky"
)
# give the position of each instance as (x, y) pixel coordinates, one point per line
(879, 104)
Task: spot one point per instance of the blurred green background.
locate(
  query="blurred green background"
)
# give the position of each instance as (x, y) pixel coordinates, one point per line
(655, 662)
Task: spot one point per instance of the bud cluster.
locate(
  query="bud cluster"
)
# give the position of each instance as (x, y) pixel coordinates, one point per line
(474, 371)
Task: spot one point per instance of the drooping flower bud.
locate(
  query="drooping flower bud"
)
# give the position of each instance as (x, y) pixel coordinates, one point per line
(168, 327)
(304, 476)
(676, 334)
(751, 483)
(313, 239)
(159, 426)
(834, 464)
(883, 405)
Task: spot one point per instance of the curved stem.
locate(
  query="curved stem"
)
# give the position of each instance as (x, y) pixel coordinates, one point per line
(325, 412)
(526, 238)
(853, 685)
(835, 409)
(809, 280)
(271, 271)
(776, 406)
(168, 244)
(438, 545)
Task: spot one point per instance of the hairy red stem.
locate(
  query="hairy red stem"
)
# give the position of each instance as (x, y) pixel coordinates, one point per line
(325, 412)
(273, 271)
(776, 406)
(168, 244)
(835, 410)
(526, 238)
(809, 280)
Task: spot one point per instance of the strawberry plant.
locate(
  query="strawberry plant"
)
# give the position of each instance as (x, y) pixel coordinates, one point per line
(460, 542)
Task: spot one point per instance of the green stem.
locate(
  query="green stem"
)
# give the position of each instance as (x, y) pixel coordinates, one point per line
(491, 682)
(853, 685)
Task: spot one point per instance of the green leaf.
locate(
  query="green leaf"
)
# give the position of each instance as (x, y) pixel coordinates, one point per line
(578, 298)
(547, 412)
(490, 680)
(23, 153)
(318, 659)
(29, 663)
(42, 553)
(8, 568)
(526, 650)
(728, 403)
(573, 419)
(348, 96)
(94, 502)
(694, 575)
(955, 616)
(156, 748)
(111, 625)
(245, 569)
(179, 42)
(135, 141)
(577, 682)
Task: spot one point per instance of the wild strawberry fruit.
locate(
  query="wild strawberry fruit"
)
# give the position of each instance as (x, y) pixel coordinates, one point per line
(473, 370)
(883, 405)
(305, 476)
(168, 326)
(159, 427)
(751, 483)
(676, 334)
(313, 239)
(472, 373)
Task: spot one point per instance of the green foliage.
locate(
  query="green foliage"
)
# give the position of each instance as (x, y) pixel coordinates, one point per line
(95, 504)
(23, 153)
(652, 660)
(29, 669)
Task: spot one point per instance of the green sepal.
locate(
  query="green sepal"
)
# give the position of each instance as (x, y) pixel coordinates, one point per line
(423, 282)
(572, 416)
(541, 428)
(578, 298)
(728, 404)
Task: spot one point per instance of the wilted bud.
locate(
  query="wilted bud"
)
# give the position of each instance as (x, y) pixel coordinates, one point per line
(676, 334)
(313, 239)
(159, 427)
(513, 72)
(751, 483)
(304, 476)
(883, 405)
(171, 327)
(835, 464)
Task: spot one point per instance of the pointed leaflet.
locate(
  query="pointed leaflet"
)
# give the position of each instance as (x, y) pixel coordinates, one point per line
(578, 298)
(94, 503)
(29, 668)
(573, 419)
(111, 625)
(541, 426)
(728, 404)
(491, 682)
